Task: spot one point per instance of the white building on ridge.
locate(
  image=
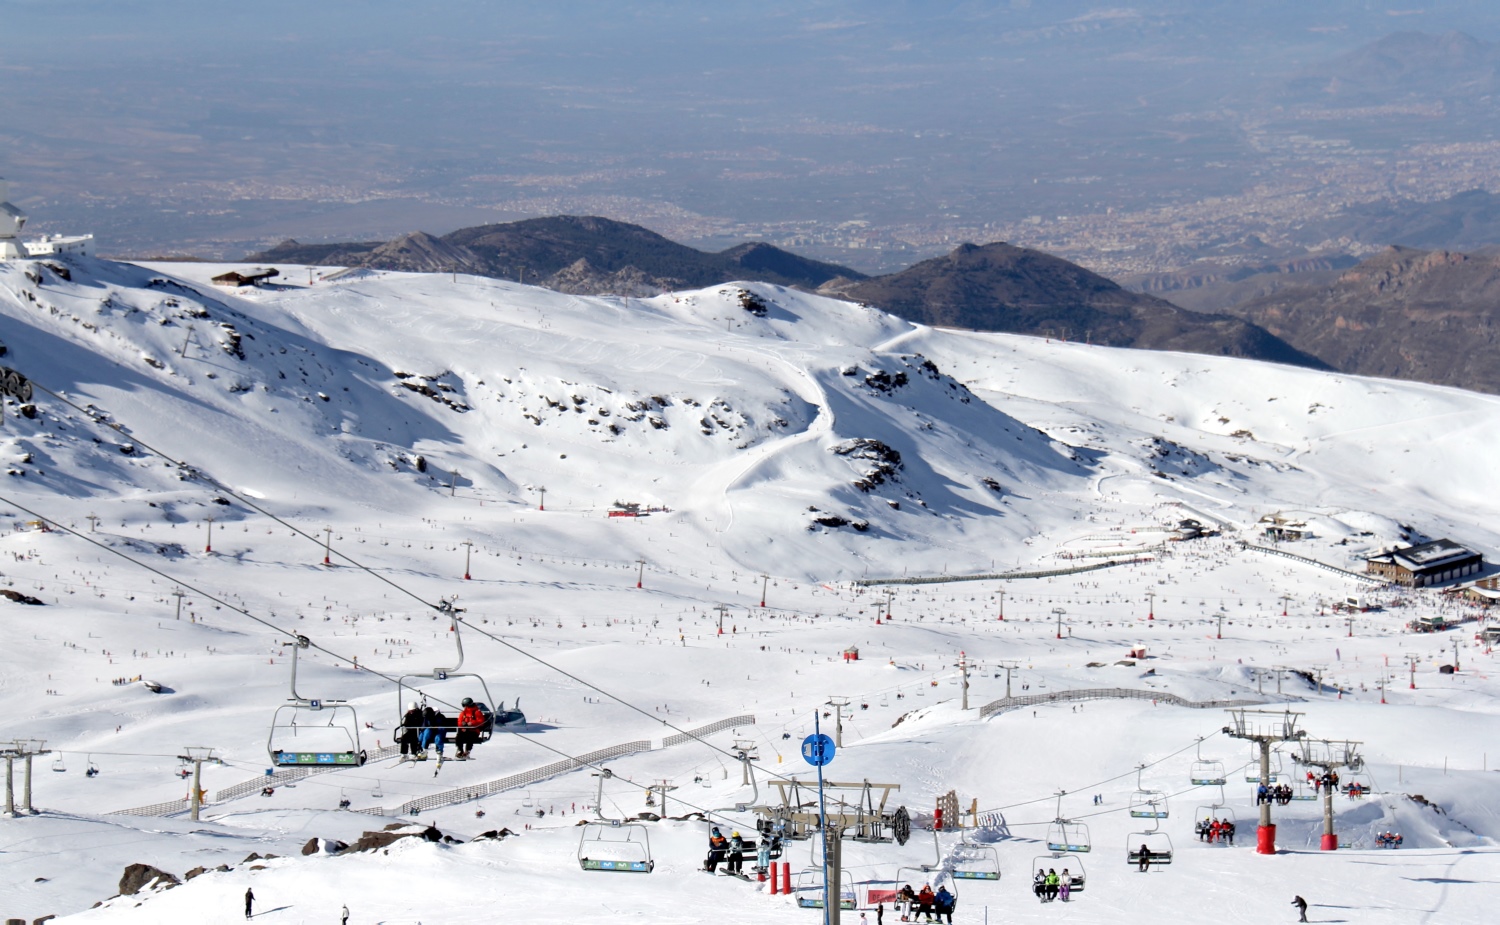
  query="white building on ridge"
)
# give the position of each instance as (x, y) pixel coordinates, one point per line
(12, 220)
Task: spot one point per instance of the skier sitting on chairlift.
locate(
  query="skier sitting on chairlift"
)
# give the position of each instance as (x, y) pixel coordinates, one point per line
(718, 846)
(470, 720)
(411, 732)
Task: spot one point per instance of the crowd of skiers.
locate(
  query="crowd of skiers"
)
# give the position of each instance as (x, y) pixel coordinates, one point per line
(423, 728)
(1215, 830)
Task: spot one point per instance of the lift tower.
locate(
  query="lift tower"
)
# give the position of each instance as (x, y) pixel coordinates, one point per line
(1327, 756)
(1265, 727)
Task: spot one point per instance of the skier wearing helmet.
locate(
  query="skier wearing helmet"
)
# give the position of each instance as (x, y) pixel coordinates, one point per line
(411, 732)
(471, 720)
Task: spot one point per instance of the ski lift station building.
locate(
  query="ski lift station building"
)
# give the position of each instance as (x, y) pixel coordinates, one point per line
(1427, 564)
(12, 220)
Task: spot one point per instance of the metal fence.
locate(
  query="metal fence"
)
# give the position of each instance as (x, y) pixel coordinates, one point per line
(999, 576)
(170, 808)
(1367, 579)
(1004, 704)
(710, 729)
(291, 775)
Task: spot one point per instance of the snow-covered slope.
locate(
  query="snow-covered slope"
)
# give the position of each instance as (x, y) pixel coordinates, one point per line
(783, 445)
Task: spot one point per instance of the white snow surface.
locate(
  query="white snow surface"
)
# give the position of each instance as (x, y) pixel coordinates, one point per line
(408, 414)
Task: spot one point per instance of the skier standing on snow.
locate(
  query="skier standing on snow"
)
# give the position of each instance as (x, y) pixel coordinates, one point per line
(249, 901)
(1301, 905)
(345, 919)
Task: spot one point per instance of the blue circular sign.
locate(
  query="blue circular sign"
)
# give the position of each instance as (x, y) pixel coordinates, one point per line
(817, 750)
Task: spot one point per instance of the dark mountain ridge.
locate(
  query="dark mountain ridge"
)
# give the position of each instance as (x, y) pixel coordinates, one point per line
(995, 287)
(1000, 287)
(539, 249)
(1431, 316)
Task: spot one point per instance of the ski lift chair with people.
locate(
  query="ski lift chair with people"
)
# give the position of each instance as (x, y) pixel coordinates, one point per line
(458, 686)
(935, 878)
(306, 731)
(623, 847)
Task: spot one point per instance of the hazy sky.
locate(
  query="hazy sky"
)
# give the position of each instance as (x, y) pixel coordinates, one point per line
(742, 112)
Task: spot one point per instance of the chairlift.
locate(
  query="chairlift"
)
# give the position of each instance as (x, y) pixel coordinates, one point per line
(1063, 861)
(924, 875)
(1066, 836)
(971, 861)
(1302, 792)
(92, 770)
(479, 691)
(375, 792)
(1206, 773)
(306, 731)
(58, 765)
(343, 799)
(617, 846)
(1147, 804)
(1156, 843)
(807, 886)
(526, 800)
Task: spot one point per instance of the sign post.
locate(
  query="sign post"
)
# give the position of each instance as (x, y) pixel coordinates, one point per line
(818, 750)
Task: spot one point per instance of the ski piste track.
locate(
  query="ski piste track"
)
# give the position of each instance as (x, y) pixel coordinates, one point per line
(1005, 704)
(1365, 579)
(446, 797)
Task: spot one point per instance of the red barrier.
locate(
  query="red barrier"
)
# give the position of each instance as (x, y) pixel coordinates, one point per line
(786, 878)
(1329, 843)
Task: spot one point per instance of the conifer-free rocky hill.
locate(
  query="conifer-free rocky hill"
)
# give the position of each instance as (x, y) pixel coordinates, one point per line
(584, 255)
(1000, 287)
(1431, 316)
(995, 287)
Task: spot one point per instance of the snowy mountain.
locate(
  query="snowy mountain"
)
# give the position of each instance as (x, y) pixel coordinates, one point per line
(775, 446)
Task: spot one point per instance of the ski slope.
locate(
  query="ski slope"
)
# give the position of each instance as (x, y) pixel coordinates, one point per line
(780, 441)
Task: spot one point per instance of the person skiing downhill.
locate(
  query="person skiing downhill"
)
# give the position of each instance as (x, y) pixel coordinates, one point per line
(1301, 905)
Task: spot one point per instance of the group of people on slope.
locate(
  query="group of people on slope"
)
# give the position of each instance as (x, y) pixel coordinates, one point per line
(927, 903)
(1049, 885)
(423, 728)
(1215, 831)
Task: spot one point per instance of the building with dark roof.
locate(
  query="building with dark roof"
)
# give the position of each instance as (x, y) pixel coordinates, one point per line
(1426, 564)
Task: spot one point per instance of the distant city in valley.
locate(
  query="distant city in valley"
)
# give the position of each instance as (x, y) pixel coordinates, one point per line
(1133, 142)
